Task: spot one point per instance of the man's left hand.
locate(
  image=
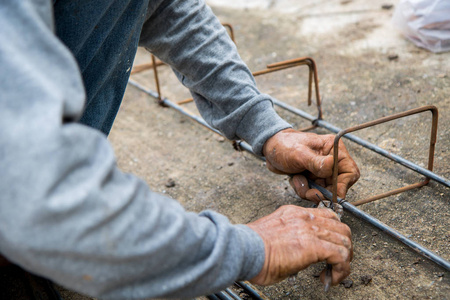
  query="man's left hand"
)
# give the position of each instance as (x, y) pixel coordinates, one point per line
(309, 155)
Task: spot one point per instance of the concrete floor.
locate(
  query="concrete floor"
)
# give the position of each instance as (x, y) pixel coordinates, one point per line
(351, 42)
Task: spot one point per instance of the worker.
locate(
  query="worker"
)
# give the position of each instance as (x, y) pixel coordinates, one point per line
(67, 213)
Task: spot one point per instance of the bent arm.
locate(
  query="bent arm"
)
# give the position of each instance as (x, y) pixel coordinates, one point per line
(187, 36)
(68, 213)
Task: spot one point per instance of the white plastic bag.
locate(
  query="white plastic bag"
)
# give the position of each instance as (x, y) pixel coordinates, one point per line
(425, 22)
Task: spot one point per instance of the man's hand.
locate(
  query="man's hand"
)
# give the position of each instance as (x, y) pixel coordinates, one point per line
(295, 237)
(293, 152)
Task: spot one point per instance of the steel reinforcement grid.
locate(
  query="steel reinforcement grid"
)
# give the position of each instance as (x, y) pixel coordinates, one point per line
(340, 133)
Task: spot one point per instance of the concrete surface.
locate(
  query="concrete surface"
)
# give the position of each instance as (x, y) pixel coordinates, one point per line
(351, 42)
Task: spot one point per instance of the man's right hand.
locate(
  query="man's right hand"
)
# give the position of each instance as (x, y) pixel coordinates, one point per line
(296, 237)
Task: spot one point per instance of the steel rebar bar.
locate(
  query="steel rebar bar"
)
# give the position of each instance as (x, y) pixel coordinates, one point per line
(251, 290)
(232, 294)
(212, 297)
(385, 228)
(222, 295)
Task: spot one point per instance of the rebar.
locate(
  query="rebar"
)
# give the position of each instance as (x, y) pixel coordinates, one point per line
(232, 294)
(385, 228)
(229, 294)
(155, 72)
(143, 67)
(251, 290)
(337, 138)
(404, 162)
(222, 295)
(312, 77)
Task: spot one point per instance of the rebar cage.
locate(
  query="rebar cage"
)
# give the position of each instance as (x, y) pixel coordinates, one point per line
(320, 122)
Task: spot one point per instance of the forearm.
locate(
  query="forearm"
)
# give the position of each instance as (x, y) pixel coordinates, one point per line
(68, 213)
(187, 36)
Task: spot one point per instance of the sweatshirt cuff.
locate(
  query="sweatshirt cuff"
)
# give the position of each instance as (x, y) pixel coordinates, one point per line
(254, 256)
(259, 124)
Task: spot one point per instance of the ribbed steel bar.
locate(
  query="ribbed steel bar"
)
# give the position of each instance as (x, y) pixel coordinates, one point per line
(346, 205)
(175, 106)
(227, 294)
(222, 295)
(294, 110)
(232, 294)
(365, 144)
(380, 225)
(250, 289)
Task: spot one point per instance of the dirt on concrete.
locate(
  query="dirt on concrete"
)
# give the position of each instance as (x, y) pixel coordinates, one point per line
(367, 70)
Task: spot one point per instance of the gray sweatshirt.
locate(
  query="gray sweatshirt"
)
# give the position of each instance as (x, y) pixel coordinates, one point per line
(67, 212)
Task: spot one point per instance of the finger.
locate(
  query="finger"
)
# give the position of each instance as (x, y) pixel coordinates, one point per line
(333, 254)
(330, 239)
(300, 185)
(338, 273)
(323, 213)
(272, 168)
(332, 236)
(332, 225)
(314, 195)
(292, 213)
(340, 269)
(319, 165)
(348, 172)
(348, 165)
(335, 232)
(344, 182)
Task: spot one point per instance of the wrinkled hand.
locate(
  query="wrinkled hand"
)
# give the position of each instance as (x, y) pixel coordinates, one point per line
(293, 152)
(295, 237)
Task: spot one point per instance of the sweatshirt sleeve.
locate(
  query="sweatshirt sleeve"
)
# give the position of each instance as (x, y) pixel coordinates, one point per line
(68, 213)
(186, 35)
